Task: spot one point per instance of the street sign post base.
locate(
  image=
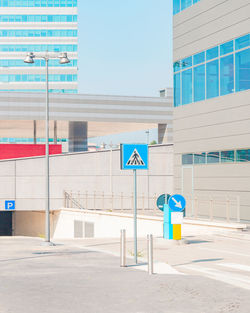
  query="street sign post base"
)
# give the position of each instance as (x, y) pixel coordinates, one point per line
(48, 244)
(172, 224)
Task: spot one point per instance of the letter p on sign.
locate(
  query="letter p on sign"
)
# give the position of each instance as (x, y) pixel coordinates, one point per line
(9, 205)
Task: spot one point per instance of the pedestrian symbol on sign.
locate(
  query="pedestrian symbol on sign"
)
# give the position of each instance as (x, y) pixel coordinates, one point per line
(135, 159)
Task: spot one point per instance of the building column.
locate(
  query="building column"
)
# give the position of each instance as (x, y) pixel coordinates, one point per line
(78, 136)
(162, 133)
(34, 132)
(165, 134)
(55, 132)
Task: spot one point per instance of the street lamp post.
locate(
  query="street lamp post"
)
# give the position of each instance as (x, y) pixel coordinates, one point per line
(147, 132)
(63, 60)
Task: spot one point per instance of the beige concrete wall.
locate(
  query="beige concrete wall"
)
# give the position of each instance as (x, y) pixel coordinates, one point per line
(32, 223)
(29, 224)
(23, 180)
(222, 123)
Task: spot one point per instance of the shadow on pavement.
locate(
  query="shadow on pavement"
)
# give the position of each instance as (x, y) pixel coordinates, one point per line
(199, 261)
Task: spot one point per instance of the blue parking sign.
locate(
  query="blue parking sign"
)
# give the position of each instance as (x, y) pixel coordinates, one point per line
(10, 205)
(134, 156)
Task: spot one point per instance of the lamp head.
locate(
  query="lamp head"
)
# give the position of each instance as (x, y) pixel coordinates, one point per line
(29, 58)
(64, 58)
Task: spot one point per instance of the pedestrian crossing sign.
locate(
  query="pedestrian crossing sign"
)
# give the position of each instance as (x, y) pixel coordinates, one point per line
(134, 156)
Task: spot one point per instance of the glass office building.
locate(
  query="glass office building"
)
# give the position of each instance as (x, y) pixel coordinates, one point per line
(211, 64)
(180, 5)
(37, 26)
(218, 71)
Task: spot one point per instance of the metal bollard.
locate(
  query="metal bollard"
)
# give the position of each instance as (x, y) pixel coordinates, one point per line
(123, 248)
(150, 254)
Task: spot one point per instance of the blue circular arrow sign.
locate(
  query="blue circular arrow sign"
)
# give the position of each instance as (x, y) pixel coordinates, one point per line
(177, 203)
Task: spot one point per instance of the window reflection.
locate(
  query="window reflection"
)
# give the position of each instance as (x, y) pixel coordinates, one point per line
(242, 69)
(229, 156)
(200, 158)
(226, 75)
(180, 5)
(213, 157)
(211, 75)
(199, 83)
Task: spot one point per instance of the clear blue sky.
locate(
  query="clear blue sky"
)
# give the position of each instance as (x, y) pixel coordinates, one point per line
(125, 47)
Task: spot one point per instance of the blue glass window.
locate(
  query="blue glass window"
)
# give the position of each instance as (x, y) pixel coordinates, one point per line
(212, 53)
(20, 63)
(227, 47)
(36, 77)
(72, 91)
(242, 70)
(212, 81)
(185, 63)
(180, 5)
(38, 33)
(200, 158)
(199, 58)
(242, 42)
(243, 155)
(187, 86)
(38, 18)
(185, 4)
(38, 3)
(187, 159)
(227, 156)
(177, 89)
(222, 75)
(213, 157)
(226, 75)
(176, 6)
(199, 83)
(177, 66)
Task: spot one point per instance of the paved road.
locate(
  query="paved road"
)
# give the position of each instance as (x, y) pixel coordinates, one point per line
(71, 279)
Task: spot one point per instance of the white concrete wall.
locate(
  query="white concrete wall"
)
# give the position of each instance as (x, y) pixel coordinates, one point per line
(23, 179)
(106, 225)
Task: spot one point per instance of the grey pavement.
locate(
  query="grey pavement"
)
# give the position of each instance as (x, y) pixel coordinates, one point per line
(72, 278)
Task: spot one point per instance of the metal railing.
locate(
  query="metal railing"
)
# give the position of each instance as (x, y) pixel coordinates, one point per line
(111, 202)
(223, 208)
(214, 208)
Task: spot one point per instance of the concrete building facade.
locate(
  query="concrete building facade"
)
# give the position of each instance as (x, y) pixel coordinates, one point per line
(38, 26)
(78, 110)
(212, 104)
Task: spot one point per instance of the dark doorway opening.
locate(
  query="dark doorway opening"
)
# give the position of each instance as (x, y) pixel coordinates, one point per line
(5, 223)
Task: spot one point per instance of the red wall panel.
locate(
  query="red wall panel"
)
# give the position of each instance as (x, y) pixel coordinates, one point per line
(14, 151)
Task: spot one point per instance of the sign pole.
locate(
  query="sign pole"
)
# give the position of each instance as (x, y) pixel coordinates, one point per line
(135, 217)
(134, 157)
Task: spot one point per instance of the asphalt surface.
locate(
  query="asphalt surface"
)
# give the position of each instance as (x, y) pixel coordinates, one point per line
(69, 278)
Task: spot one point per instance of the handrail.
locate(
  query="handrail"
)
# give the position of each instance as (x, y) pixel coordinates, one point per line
(198, 206)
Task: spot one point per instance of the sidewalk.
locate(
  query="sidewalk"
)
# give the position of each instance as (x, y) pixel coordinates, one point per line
(204, 251)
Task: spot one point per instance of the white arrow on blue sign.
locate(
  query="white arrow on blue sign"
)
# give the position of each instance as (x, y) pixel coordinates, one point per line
(177, 203)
